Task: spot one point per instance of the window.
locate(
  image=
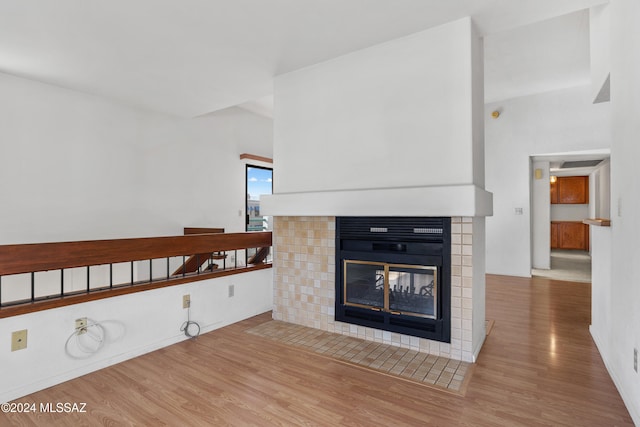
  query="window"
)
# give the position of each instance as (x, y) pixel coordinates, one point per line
(259, 181)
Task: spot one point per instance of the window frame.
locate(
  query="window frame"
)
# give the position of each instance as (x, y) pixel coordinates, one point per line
(246, 190)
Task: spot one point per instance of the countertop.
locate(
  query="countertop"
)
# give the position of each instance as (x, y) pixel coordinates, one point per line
(601, 222)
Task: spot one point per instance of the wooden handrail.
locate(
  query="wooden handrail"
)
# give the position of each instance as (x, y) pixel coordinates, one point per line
(202, 230)
(31, 258)
(195, 261)
(27, 258)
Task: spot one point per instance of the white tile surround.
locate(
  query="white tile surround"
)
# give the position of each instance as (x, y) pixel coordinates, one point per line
(304, 284)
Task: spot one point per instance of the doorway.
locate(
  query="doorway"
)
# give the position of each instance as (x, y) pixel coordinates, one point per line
(563, 259)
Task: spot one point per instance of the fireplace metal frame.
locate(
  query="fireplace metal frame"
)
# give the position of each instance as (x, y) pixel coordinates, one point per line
(411, 242)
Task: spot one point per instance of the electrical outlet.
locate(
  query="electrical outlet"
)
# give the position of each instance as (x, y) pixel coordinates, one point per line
(18, 340)
(81, 326)
(232, 289)
(186, 301)
(635, 359)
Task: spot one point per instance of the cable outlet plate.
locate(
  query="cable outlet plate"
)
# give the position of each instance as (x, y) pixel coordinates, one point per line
(81, 326)
(19, 340)
(186, 301)
(232, 290)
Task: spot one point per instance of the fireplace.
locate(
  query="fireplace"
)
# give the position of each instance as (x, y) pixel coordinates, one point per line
(394, 274)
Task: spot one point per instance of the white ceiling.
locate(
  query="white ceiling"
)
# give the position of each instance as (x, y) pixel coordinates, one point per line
(548, 55)
(190, 58)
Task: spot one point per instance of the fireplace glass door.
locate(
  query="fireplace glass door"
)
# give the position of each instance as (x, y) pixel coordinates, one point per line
(394, 288)
(365, 284)
(412, 290)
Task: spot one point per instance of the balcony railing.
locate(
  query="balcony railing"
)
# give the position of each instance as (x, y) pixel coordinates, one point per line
(36, 277)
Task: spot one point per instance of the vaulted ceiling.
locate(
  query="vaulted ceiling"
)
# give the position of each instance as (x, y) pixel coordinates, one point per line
(190, 58)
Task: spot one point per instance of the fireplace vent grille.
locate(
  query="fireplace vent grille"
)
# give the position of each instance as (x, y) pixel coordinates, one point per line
(392, 228)
(427, 230)
(379, 229)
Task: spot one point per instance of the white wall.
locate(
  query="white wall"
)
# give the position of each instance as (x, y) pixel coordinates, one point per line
(600, 188)
(192, 174)
(541, 216)
(554, 122)
(78, 167)
(570, 212)
(75, 167)
(600, 45)
(619, 331)
(393, 115)
(135, 324)
(601, 286)
(69, 165)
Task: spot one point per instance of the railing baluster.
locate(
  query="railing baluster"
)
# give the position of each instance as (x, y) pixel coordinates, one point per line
(88, 278)
(33, 286)
(168, 271)
(61, 281)
(184, 265)
(150, 271)
(131, 272)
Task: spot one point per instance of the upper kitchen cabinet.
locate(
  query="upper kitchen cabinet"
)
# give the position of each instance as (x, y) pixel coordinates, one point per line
(570, 190)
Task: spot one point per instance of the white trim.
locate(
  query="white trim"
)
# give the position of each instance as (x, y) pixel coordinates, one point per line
(449, 200)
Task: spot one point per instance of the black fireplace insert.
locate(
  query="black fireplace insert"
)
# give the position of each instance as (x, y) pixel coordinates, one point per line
(394, 274)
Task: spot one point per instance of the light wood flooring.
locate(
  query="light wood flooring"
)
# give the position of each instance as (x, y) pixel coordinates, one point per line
(538, 367)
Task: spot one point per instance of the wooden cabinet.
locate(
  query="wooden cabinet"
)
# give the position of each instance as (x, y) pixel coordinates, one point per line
(554, 192)
(554, 235)
(570, 190)
(569, 235)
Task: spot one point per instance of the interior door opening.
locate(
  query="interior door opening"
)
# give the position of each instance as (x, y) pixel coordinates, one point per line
(565, 190)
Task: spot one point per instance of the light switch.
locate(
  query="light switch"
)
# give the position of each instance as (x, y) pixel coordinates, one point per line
(518, 211)
(619, 206)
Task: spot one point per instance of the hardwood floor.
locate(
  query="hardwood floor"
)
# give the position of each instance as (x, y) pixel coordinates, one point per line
(538, 367)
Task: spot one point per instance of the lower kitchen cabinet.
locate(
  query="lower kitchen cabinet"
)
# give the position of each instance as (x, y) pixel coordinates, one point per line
(569, 235)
